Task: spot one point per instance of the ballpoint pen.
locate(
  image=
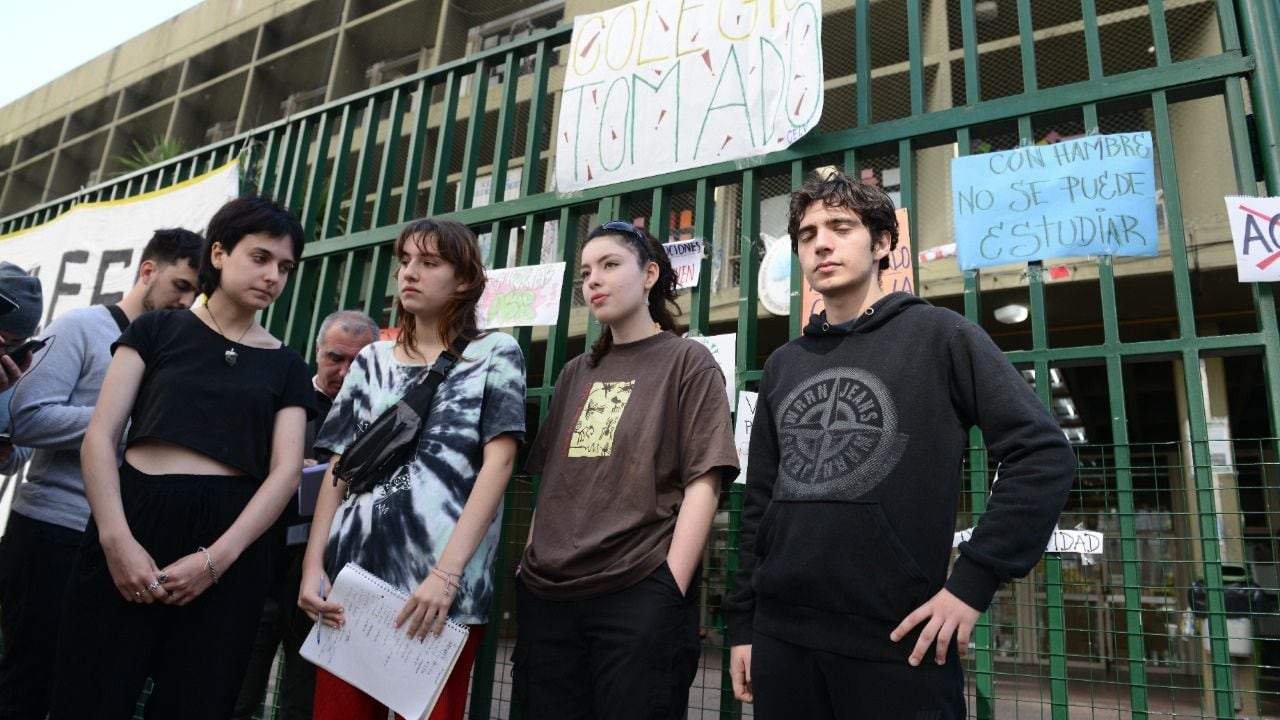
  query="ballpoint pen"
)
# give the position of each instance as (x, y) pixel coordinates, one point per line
(319, 615)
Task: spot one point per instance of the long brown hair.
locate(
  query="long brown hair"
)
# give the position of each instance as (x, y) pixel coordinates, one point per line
(456, 245)
(661, 300)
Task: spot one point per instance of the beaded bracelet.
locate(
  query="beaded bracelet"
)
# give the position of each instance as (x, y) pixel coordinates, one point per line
(208, 565)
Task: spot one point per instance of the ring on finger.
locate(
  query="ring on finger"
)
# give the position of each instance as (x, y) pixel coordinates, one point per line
(155, 584)
(137, 594)
(162, 578)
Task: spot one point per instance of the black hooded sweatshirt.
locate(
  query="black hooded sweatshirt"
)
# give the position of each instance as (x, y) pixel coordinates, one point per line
(854, 476)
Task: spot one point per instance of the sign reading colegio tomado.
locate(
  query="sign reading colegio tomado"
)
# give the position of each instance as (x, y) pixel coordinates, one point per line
(662, 85)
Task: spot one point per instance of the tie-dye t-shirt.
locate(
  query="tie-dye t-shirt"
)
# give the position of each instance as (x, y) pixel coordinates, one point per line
(398, 530)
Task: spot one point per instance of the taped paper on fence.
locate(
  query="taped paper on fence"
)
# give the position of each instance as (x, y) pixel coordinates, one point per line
(1255, 230)
(656, 86)
(724, 348)
(521, 296)
(686, 260)
(1084, 542)
(1093, 195)
(742, 430)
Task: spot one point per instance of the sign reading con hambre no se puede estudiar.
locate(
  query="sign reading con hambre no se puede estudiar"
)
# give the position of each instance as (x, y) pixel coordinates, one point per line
(656, 86)
(1093, 195)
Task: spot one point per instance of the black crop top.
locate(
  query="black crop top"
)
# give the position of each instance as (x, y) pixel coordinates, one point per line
(189, 396)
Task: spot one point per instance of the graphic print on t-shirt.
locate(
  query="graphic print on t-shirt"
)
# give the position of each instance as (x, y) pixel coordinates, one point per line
(598, 419)
(838, 436)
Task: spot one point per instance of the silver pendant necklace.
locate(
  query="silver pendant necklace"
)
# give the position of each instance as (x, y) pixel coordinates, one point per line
(230, 356)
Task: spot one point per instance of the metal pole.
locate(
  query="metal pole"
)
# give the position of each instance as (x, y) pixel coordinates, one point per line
(1258, 22)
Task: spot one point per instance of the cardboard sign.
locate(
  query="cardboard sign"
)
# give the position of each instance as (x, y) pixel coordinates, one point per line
(1093, 195)
(521, 296)
(895, 278)
(1255, 230)
(656, 86)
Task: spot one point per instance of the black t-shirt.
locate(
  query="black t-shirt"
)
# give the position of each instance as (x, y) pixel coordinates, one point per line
(189, 396)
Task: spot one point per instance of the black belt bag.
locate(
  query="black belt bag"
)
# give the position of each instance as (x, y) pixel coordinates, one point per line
(391, 440)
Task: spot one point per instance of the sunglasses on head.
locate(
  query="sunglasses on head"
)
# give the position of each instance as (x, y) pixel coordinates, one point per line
(626, 227)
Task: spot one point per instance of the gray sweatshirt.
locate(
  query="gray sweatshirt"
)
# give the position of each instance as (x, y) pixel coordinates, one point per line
(51, 409)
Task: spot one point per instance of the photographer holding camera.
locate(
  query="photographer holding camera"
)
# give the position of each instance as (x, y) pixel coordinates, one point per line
(21, 304)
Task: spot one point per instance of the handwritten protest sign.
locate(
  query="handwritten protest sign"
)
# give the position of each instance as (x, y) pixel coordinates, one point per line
(1081, 541)
(724, 348)
(742, 430)
(521, 296)
(90, 254)
(686, 260)
(656, 86)
(1094, 195)
(895, 278)
(1255, 229)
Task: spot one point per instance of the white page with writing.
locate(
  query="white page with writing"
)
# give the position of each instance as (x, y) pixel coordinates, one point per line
(369, 652)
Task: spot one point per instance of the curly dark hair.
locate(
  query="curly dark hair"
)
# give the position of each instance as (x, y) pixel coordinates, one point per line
(837, 190)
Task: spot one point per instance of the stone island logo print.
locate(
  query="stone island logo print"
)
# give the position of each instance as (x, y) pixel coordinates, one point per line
(838, 437)
(598, 419)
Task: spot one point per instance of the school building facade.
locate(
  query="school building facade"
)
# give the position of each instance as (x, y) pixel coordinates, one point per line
(1164, 371)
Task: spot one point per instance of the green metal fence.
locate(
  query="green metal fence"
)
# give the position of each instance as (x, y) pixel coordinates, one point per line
(1160, 355)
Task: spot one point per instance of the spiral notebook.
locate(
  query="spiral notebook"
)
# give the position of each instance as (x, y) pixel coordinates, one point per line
(369, 652)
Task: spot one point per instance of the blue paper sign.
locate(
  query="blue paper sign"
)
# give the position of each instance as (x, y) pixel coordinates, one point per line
(1094, 195)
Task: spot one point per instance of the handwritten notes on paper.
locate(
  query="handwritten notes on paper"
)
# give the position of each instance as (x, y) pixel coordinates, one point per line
(521, 296)
(1093, 195)
(1255, 230)
(656, 86)
(369, 652)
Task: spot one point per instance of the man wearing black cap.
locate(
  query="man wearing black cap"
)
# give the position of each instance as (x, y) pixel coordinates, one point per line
(20, 309)
(22, 305)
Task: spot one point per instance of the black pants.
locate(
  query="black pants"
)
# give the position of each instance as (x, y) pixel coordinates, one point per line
(630, 654)
(35, 562)
(282, 623)
(195, 654)
(797, 682)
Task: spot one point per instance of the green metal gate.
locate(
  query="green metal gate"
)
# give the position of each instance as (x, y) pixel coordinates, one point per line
(1074, 640)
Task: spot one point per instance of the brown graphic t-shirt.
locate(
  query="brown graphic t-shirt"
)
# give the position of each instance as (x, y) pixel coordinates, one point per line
(619, 444)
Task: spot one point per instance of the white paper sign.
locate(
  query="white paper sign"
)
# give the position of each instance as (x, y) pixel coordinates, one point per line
(686, 260)
(1255, 230)
(725, 350)
(742, 430)
(90, 254)
(1084, 542)
(656, 86)
(521, 296)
